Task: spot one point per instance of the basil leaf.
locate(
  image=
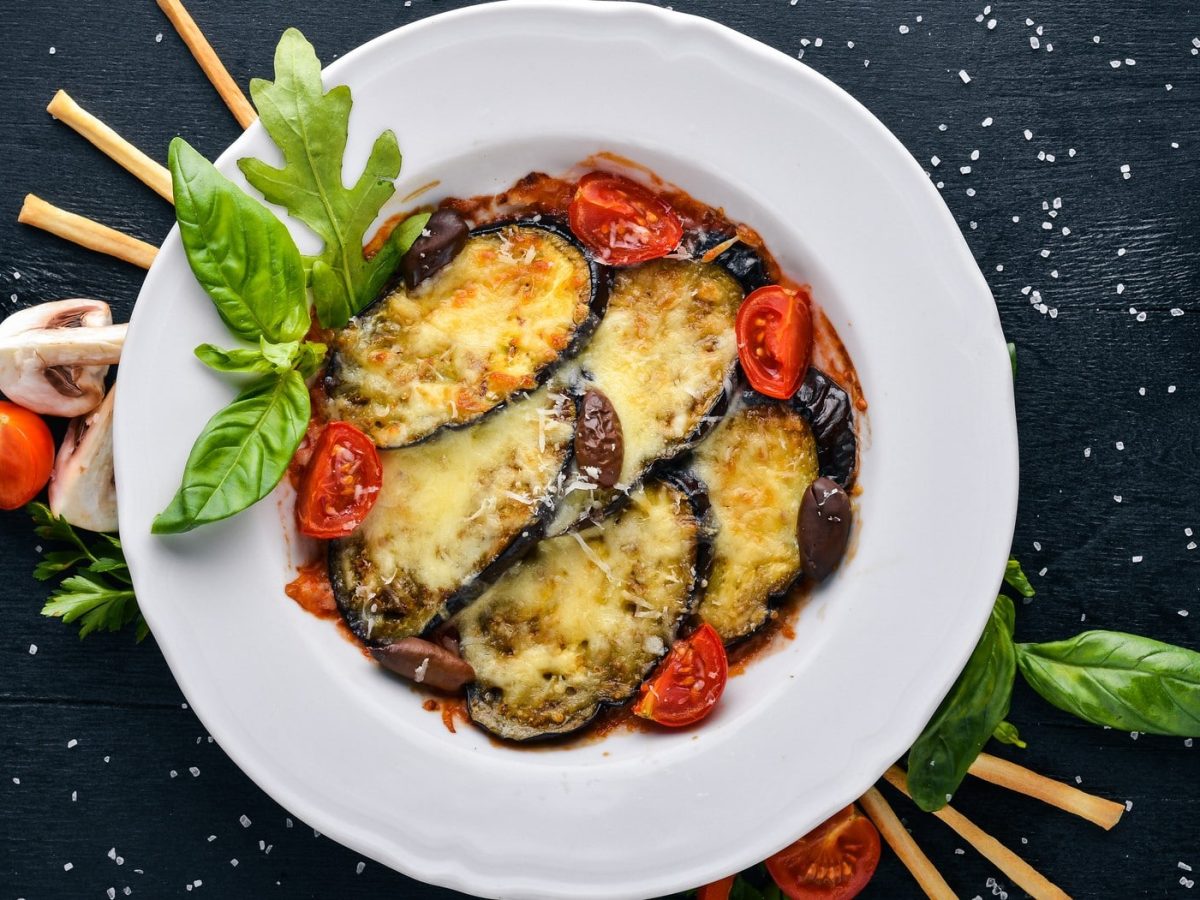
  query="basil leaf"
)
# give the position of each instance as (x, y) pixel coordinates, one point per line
(1014, 577)
(309, 358)
(1006, 733)
(1120, 680)
(241, 359)
(975, 706)
(1012, 357)
(241, 454)
(242, 255)
(304, 357)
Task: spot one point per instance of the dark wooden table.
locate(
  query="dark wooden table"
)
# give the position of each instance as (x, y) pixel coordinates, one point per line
(109, 784)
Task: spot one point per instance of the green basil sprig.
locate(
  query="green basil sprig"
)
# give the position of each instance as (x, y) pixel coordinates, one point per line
(247, 262)
(970, 714)
(1119, 680)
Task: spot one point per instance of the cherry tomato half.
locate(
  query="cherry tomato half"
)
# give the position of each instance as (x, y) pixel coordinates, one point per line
(341, 483)
(834, 861)
(774, 340)
(26, 455)
(718, 890)
(688, 683)
(621, 221)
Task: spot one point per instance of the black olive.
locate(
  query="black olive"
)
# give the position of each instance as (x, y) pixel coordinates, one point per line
(599, 443)
(830, 413)
(443, 238)
(425, 663)
(824, 527)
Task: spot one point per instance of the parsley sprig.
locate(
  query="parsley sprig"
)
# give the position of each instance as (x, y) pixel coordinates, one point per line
(99, 595)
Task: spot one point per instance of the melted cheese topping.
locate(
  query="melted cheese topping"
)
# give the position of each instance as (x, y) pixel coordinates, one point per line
(663, 356)
(582, 620)
(757, 465)
(448, 508)
(465, 340)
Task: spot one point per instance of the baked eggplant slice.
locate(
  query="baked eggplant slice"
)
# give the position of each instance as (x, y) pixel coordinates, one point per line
(452, 514)
(830, 412)
(740, 260)
(664, 356)
(581, 621)
(756, 465)
(490, 326)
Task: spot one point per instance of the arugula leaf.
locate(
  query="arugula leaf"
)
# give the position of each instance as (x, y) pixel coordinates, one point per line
(1014, 577)
(241, 454)
(100, 595)
(968, 716)
(310, 127)
(1120, 680)
(306, 357)
(240, 253)
(1006, 733)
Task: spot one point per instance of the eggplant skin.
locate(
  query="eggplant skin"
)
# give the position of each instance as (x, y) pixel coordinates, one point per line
(582, 621)
(453, 513)
(830, 412)
(741, 260)
(489, 328)
(665, 356)
(756, 466)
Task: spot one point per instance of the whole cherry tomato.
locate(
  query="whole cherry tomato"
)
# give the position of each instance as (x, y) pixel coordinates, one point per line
(26, 455)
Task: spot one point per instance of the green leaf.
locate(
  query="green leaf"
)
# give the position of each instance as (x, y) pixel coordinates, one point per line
(94, 603)
(57, 562)
(1012, 357)
(241, 454)
(1015, 578)
(309, 358)
(310, 127)
(1120, 680)
(975, 706)
(1006, 733)
(744, 890)
(306, 357)
(240, 253)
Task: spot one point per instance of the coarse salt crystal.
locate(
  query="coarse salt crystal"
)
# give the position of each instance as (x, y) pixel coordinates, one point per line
(962, 73)
(1028, 135)
(986, 123)
(33, 649)
(1137, 559)
(904, 29)
(358, 869)
(1120, 445)
(1176, 311)
(1034, 42)
(935, 161)
(245, 820)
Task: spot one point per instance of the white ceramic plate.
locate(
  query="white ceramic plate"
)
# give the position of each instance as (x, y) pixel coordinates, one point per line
(539, 85)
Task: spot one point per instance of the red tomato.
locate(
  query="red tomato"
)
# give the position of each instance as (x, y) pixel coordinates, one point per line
(718, 890)
(26, 455)
(621, 221)
(834, 861)
(774, 340)
(341, 483)
(688, 683)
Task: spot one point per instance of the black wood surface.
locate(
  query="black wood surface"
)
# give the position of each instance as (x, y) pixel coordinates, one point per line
(146, 785)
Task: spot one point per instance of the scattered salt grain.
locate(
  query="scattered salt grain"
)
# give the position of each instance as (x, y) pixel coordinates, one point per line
(358, 869)
(935, 161)
(33, 649)
(158, 38)
(1034, 42)
(904, 29)
(965, 170)
(195, 772)
(72, 743)
(245, 820)
(986, 123)
(67, 867)
(1028, 135)
(1137, 559)
(1120, 445)
(1176, 311)
(962, 73)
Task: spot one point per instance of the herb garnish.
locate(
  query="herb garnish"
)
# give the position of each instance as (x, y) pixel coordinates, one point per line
(247, 262)
(100, 593)
(310, 126)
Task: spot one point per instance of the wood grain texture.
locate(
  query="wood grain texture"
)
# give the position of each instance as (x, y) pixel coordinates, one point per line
(1078, 388)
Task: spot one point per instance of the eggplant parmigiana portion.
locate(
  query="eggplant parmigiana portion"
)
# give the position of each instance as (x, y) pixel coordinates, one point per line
(756, 464)
(664, 355)
(583, 619)
(485, 329)
(453, 512)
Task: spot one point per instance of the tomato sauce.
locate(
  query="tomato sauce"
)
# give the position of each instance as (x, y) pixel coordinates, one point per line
(539, 194)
